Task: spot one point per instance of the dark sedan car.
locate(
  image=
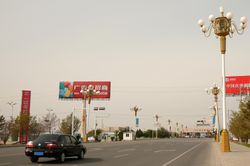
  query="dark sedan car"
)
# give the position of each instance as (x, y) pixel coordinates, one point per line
(57, 146)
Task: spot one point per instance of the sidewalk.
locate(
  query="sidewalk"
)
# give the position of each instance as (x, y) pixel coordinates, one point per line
(239, 155)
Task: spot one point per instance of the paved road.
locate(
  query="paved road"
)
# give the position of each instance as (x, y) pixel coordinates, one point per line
(163, 152)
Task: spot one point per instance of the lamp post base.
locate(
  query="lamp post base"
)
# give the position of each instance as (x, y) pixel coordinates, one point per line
(217, 138)
(84, 139)
(225, 146)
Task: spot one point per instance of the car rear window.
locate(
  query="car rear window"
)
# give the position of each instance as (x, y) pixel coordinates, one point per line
(47, 138)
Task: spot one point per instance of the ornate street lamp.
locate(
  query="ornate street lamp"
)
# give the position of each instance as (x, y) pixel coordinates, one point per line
(136, 109)
(215, 90)
(223, 26)
(87, 95)
(157, 124)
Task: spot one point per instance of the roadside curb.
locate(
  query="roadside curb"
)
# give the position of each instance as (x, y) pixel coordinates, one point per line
(12, 146)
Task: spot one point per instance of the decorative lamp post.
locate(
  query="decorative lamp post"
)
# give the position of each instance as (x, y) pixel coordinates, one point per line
(87, 95)
(136, 109)
(223, 26)
(215, 90)
(169, 121)
(177, 129)
(157, 123)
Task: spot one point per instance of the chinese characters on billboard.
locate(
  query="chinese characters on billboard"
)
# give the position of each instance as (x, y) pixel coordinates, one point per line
(72, 90)
(237, 85)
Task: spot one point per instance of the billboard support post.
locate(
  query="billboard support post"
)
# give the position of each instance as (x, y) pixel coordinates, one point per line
(83, 126)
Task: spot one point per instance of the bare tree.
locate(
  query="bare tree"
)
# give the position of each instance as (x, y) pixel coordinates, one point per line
(66, 124)
(50, 122)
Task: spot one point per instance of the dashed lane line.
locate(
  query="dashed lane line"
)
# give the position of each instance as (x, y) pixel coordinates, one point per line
(95, 149)
(169, 162)
(165, 150)
(120, 156)
(14, 154)
(5, 164)
(126, 150)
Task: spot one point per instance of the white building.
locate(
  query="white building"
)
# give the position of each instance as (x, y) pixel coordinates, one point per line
(129, 136)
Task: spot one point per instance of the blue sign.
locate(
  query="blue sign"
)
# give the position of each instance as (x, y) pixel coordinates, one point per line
(213, 120)
(137, 122)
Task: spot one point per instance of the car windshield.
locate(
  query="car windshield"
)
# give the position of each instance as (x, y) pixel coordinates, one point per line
(47, 138)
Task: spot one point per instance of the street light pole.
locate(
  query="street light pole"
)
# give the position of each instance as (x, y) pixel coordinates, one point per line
(12, 107)
(49, 120)
(223, 26)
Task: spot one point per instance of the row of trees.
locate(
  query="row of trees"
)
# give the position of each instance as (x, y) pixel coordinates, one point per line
(118, 134)
(240, 121)
(49, 123)
(161, 133)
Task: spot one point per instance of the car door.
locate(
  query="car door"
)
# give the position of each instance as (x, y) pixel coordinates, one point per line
(76, 147)
(68, 146)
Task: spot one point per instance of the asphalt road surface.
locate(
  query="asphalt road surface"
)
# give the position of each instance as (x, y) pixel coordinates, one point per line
(161, 152)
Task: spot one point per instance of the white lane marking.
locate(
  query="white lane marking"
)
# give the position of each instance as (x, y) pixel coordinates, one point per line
(119, 156)
(95, 149)
(165, 150)
(4, 163)
(126, 150)
(169, 162)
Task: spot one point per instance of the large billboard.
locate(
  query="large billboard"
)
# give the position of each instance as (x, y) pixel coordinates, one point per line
(25, 109)
(237, 85)
(72, 90)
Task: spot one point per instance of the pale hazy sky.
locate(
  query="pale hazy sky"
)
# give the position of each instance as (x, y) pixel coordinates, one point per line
(152, 51)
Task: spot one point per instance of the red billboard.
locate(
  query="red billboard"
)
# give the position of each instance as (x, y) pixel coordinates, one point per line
(237, 85)
(72, 90)
(25, 109)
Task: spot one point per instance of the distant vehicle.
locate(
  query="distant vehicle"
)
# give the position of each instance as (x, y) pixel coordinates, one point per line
(58, 146)
(91, 139)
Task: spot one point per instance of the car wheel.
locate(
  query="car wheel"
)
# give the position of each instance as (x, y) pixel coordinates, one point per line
(61, 158)
(33, 159)
(81, 155)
